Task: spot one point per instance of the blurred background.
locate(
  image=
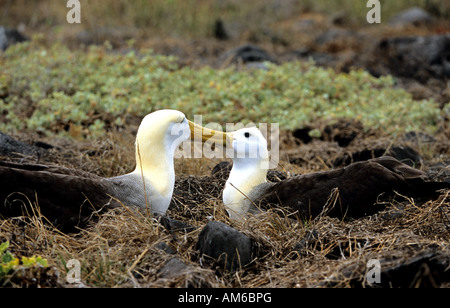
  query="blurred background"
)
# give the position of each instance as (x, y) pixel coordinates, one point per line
(412, 42)
(333, 33)
(198, 18)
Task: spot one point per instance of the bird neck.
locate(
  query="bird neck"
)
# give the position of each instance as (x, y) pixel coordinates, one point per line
(155, 165)
(245, 175)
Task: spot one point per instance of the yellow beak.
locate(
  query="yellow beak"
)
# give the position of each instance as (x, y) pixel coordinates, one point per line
(205, 134)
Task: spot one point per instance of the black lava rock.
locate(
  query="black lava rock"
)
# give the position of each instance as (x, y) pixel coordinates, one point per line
(246, 54)
(11, 147)
(9, 37)
(229, 247)
(418, 57)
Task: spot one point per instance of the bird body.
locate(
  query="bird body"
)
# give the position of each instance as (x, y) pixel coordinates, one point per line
(358, 189)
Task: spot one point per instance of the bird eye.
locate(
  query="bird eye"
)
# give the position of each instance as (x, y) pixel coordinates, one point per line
(247, 135)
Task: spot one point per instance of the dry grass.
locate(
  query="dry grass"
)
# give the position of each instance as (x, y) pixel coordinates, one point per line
(128, 249)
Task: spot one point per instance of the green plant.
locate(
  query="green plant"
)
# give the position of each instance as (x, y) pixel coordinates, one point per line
(8, 261)
(55, 90)
(10, 264)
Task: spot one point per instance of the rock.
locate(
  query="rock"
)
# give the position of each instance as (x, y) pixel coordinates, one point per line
(418, 57)
(166, 248)
(229, 247)
(418, 138)
(324, 59)
(173, 225)
(337, 36)
(245, 54)
(12, 148)
(220, 32)
(176, 273)
(414, 16)
(3, 39)
(173, 268)
(9, 37)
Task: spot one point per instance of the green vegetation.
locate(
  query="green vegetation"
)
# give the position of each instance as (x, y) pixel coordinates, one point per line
(53, 90)
(10, 264)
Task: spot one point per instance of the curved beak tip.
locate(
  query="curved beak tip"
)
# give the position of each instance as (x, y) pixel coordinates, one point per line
(206, 134)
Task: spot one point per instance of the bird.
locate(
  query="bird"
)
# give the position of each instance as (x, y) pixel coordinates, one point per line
(353, 191)
(67, 197)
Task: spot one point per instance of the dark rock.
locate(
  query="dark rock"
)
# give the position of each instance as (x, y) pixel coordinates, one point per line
(414, 16)
(176, 273)
(229, 247)
(12, 148)
(336, 36)
(173, 225)
(418, 57)
(419, 137)
(9, 37)
(3, 39)
(245, 54)
(173, 268)
(220, 32)
(166, 248)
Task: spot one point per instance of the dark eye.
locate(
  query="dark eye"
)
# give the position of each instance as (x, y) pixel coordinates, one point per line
(247, 135)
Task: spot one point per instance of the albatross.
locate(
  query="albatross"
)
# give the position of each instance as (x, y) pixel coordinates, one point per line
(67, 197)
(349, 192)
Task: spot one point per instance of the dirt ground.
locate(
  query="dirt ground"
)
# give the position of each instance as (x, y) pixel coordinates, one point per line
(411, 240)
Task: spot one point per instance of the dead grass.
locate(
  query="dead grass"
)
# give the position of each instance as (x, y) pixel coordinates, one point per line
(128, 249)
